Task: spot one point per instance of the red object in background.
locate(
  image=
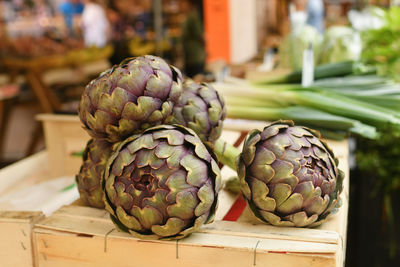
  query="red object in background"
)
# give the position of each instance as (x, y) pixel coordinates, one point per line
(9, 91)
(217, 30)
(236, 210)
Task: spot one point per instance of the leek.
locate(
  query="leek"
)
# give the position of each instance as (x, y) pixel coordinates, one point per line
(318, 99)
(305, 116)
(322, 71)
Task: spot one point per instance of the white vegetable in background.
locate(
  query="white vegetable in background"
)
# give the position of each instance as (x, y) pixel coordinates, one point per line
(367, 19)
(291, 50)
(340, 44)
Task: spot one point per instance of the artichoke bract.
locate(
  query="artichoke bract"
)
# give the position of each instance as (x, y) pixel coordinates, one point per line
(288, 176)
(161, 184)
(201, 109)
(128, 98)
(95, 158)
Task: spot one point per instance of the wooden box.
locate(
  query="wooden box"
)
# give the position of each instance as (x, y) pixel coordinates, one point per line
(23, 197)
(64, 136)
(82, 236)
(16, 245)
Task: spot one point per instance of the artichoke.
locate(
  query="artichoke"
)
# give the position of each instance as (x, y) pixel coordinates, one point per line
(95, 158)
(289, 177)
(128, 98)
(161, 184)
(201, 109)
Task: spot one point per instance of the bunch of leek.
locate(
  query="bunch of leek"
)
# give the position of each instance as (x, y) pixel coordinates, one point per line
(361, 105)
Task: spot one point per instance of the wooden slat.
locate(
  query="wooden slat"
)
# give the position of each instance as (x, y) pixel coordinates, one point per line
(18, 216)
(62, 237)
(77, 218)
(64, 136)
(19, 173)
(16, 245)
(57, 118)
(271, 232)
(71, 250)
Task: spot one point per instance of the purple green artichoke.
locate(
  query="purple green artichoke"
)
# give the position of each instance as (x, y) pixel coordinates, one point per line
(95, 158)
(201, 109)
(128, 98)
(161, 184)
(289, 176)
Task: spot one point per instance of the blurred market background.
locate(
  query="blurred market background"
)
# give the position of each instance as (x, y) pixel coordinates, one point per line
(51, 49)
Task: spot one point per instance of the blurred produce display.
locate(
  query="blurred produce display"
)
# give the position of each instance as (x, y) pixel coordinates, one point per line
(29, 46)
(337, 44)
(291, 50)
(340, 43)
(36, 30)
(138, 46)
(373, 38)
(45, 28)
(382, 45)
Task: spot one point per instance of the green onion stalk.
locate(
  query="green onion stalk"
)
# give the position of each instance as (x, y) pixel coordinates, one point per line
(306, 116)
(339, 69)
(247, 102)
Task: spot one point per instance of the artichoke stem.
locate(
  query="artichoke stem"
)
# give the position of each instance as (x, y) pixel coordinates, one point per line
(226, 153)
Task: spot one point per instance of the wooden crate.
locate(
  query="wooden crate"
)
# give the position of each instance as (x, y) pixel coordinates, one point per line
(16, 223)
(64, 136)
(81, 236)
(16, 245)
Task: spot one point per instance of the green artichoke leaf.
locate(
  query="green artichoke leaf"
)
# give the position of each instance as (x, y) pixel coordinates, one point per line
(280, 192)
(127, 220)
(291, 205)
(147, 216)
(148, 158)
(142, 110)
(318, 206)
(172, 227)
(186, 202)
(156, 85)
(218, 178)
(135, 81)
(206, 199)
(197, 170)
(99, 120)
(176, 183)
(284, 173)
(259, 191)
(261, 164)
(274, 219)
(124, 159)
(143, 141)
(199, 148)
(115, 102)
(173, 154)
(300, 219)
(173, 137)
